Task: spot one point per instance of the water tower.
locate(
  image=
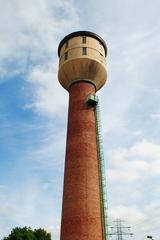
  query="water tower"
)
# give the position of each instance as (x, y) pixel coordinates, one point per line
(82, 72)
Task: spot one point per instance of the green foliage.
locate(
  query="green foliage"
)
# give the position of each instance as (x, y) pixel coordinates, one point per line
(26, 233)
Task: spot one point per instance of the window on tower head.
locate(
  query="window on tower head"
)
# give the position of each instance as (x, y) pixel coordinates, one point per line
(101, 57)
(66, 44)
(65, 55)
(84, 51)
(84, 39)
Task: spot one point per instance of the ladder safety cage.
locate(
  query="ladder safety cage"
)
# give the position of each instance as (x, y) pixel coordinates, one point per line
(102, 174)
(93, 101)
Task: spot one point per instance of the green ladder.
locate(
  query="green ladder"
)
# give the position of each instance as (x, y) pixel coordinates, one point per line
(94, 102)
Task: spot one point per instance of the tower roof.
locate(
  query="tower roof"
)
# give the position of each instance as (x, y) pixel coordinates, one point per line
(82, 33)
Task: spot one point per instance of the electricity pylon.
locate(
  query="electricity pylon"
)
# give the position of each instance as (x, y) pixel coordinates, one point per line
(118, 230)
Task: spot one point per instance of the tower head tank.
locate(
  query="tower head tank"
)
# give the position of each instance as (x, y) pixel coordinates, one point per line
(82, 58)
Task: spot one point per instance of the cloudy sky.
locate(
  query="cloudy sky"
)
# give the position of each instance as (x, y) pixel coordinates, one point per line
(33, 110)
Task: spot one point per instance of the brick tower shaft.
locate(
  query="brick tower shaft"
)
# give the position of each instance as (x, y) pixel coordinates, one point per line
(81, 213)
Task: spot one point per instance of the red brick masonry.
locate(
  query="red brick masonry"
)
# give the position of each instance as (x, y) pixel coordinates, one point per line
(81, 216)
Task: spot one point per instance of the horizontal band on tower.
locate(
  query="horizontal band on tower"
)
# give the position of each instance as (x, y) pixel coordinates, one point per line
(81, 80)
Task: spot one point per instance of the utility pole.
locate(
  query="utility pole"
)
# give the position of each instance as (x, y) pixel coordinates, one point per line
(119, 230)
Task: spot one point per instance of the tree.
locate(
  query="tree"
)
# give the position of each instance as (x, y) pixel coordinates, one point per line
(26, 233)
(41, 234)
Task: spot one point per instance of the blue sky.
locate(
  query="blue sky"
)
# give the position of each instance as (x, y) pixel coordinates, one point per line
(33, 110)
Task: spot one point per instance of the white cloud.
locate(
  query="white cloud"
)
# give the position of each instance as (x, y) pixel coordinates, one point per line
(30, 34)
(55, 231)
(30, 31)
(156, 116)
(143, 221)
(30, 205)
(137, 162)
(51, 149)
(146, 149)
(31, 28)
(131, 174)
(128, 213)
(124, 175)
(48, 98)
(149, 224)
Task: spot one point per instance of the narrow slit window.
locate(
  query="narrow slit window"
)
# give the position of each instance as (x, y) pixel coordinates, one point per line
(101, 57)
(84, 51)
(65, 55)
(66, 44)
(84, 39)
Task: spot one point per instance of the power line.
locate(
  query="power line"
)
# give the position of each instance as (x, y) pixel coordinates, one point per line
(141, 220)
(119, 230)
(146, 221)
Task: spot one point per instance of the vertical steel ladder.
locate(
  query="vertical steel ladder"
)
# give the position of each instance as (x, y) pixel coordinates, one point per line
(102, 174)
(94, 102)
